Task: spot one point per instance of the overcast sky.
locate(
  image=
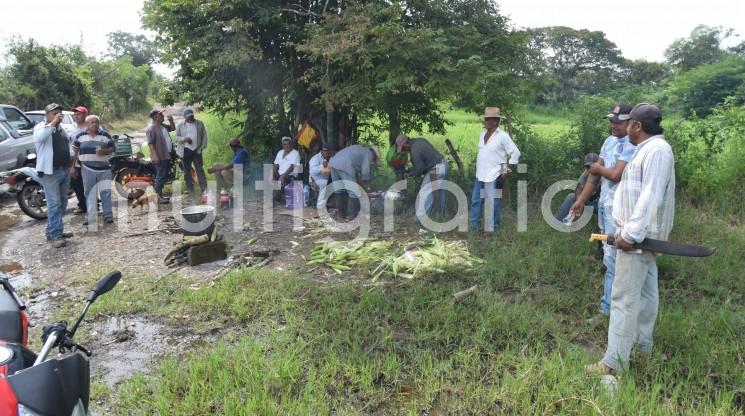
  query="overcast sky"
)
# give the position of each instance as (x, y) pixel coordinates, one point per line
(640, 28)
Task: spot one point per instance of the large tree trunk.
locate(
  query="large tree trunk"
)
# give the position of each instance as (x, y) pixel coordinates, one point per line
(284, 125)
(331, 135)
(394, 126)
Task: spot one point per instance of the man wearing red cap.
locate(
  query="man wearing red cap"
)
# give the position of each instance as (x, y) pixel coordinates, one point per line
(76, 182)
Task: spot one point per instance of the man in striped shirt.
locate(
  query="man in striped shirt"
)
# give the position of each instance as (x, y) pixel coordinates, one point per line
(93, 150)
(643, 207)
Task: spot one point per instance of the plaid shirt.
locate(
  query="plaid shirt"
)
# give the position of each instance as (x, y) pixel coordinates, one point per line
(614, 149)
(644, 203)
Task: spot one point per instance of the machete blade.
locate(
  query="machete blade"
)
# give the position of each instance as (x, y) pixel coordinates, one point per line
(664, 247)
(677, 249)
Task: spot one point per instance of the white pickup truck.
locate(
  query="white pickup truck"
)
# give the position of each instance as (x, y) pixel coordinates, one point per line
(16, 137)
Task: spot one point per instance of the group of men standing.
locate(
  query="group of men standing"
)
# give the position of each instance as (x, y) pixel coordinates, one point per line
(82, 157)
(636, 174)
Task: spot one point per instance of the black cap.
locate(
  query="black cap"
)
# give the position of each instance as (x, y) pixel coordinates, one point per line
(328, 146)
(591, 158)
(53, 106)
(647, 114)
(619, 113)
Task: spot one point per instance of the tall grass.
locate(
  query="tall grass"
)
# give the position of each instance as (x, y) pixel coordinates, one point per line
(518, 346)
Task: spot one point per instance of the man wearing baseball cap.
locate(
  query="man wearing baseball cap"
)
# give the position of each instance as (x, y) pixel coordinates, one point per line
(614, 155)
(191, 140)
(53, 165)
(643, 207)
(159, 141)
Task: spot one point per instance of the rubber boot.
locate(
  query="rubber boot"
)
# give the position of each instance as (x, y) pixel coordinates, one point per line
(341, 203)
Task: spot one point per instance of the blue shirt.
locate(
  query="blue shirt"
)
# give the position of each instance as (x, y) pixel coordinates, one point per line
(241, 158)
(614, 150)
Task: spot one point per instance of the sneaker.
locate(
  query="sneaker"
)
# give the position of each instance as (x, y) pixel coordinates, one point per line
(78, 211)
(108, 220)
(67, 235)
(85, 222)
(59, 243)
(599, 369)
(598, 319)
(163, 201)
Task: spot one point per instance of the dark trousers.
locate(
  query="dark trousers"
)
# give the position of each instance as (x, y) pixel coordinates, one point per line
(161, 175)
(190, 157)
(77, 186)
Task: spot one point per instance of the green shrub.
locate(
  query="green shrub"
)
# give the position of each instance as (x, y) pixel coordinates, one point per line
(709, 153)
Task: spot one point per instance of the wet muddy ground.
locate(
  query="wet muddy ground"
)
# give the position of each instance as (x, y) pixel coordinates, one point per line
(54, 282)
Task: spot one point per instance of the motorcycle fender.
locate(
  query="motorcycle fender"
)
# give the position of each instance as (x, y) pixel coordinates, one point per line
(53, 387)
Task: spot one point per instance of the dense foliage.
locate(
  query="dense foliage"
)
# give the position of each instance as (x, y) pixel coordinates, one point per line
(37, 75)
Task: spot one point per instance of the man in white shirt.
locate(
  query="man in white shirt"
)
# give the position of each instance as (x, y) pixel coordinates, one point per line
(320, 172)
(286, 165)
(191, 140)
(495, 147)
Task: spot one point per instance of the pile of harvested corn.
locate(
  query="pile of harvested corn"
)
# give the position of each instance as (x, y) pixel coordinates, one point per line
(382, 258)
(342, 256)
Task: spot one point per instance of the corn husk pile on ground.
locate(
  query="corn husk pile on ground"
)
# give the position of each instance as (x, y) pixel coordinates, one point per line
(382, 258)
(341, 256)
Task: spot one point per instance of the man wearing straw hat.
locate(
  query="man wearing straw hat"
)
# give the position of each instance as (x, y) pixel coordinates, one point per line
(492, 166)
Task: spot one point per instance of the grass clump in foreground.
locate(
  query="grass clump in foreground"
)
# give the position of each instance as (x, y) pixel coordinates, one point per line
(518, 346)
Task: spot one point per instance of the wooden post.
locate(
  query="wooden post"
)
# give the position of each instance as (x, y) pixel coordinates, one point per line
(453, 153)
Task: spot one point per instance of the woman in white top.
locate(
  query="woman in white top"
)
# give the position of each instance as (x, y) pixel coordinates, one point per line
(495, 146)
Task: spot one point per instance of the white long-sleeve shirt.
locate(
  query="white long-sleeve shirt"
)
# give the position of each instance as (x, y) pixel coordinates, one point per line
(644, 203)
(493, 154)
(315, 166)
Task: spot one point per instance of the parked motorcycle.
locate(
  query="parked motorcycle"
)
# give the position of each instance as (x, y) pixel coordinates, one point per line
(31, 385)
(133, 173)
(25, 184)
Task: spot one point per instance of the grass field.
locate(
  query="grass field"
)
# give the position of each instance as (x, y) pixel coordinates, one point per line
(517, 347)
(293, 346)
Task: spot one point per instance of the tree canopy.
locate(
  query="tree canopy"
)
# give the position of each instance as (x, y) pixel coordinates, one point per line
(345, 65)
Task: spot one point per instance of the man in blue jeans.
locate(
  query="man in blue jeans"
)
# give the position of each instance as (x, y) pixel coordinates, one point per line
(495, 146)
(159, 141)
(53, 165)
(614, 155)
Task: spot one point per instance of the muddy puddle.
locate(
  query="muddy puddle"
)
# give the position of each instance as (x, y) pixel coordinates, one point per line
(126, 345)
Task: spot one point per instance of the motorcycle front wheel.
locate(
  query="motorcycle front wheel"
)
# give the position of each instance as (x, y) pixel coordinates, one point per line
(32, 201)
(120, 183)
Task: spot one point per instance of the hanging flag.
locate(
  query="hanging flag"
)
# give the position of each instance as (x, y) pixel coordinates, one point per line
(307, 135)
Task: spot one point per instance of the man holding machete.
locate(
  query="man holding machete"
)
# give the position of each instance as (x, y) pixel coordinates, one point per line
(643, 207)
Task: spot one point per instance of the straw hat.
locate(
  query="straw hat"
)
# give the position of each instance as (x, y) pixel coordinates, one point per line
(491, 112)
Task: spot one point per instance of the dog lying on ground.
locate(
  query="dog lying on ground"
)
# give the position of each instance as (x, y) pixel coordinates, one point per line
(144, 200)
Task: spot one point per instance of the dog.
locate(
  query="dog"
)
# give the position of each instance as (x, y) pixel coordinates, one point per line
(144, 200)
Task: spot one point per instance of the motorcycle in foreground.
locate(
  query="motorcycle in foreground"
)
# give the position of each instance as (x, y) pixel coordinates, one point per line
(31, 385)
